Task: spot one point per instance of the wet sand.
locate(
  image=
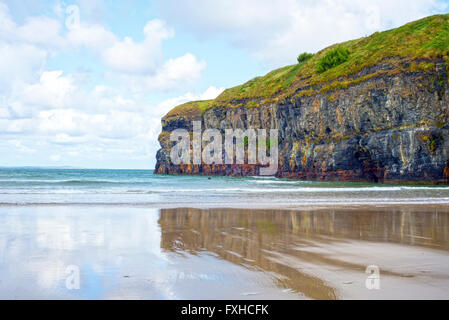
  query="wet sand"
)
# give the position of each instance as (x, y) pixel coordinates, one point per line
(136, 252)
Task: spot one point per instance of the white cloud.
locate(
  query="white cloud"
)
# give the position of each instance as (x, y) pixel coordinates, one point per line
(64, 138)
(17, 144)
(4, 113)
(95, 37)
(138, 65)
(130, 57)
(165, 106)
(53, 90)
(276, 33)
(95, 134)
(183, 69)
(41, 31)
(25, 49)
(173, 73)
(108, 124)
(57, 115)
(17, 126)
(114, 124)
(73, 125)
(92, 10)
(20, 62)
(55, 157)
(211, 93)
(7, 26)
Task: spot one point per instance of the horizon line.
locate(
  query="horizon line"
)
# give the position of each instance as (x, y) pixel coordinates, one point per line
(69, 167)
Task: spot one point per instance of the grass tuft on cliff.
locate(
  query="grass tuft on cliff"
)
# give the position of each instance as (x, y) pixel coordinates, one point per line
(332, 59)
(303, 57)
(334, 67)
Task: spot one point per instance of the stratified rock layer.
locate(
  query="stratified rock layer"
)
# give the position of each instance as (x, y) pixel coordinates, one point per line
(393, 127)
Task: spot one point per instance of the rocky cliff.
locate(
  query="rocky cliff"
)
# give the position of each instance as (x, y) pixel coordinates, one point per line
(380, 116)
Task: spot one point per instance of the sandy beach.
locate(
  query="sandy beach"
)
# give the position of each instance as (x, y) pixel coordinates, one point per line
(139, 252)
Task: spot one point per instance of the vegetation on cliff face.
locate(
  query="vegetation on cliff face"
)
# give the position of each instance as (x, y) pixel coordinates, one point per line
(332, 59)
(415, 44)
(303, 57)
(189, 109)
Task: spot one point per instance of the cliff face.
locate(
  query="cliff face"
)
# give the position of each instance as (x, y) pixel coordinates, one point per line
(389, 122)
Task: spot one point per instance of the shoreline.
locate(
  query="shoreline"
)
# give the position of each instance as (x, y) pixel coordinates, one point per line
(385, 182)
(220, 205)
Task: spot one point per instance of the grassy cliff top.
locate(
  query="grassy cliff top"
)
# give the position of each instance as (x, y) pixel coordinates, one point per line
(189, 109)
(426, 39)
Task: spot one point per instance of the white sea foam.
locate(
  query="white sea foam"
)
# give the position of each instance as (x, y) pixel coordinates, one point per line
(250, 190)
(112, 186)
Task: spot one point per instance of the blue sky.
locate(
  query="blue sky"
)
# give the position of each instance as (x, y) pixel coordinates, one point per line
(85, 83)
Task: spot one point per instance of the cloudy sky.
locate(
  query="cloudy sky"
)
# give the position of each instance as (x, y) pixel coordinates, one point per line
(84, 83)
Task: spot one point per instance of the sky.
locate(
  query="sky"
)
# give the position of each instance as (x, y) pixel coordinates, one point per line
(85, 83)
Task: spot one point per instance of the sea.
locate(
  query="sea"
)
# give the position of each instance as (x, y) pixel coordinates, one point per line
(29, 186)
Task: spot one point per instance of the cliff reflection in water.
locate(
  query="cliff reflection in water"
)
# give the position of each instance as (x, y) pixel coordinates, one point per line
(256, 238)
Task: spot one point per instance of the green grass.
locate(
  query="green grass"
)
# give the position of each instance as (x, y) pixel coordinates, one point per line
(189, 109)
(263, 87)
(303, 57)
(426, 39)
(332, 59)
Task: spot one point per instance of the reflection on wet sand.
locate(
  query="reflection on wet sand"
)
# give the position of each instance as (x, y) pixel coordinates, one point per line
(136, 252)
(318, 252)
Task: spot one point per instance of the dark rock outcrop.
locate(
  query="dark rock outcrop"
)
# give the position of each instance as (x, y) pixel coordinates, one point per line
(390, 128)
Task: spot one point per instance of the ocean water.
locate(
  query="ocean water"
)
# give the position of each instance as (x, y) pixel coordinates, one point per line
(23, 186)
